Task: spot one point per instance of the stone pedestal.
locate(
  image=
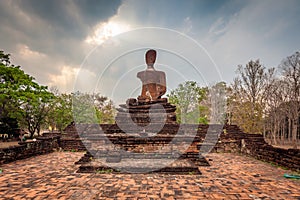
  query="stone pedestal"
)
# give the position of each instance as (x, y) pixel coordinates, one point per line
(144, 112)
(172, 150)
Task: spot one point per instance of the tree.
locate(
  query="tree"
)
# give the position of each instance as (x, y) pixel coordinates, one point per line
(36, 109)
(20, 97)
(188, 97)
(92, 108)
(275, 114)
(12, 84)
(218, 103)
(61, 113)
(290, 67)
(4, 58)
(248, 96)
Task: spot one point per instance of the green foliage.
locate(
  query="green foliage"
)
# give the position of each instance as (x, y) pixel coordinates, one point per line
(187, 98)
(4, 58)
(248, 116)
(81, 108)
(20, 97)
(92, 108)
(35, 109)
(61, 113)
(191, 173)
(104, 171)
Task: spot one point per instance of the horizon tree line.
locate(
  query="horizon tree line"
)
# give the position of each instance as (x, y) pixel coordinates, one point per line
(259, 100)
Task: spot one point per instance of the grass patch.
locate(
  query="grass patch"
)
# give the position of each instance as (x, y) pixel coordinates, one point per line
(276, 165)
(104, 171)
(191, 173)
(70, 150)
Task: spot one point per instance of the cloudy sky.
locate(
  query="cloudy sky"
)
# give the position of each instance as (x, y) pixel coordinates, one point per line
(99, 45)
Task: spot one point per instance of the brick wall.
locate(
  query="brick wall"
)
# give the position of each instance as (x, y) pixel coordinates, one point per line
(69, 139)
(232, 139)
(72, 144)
(42, 145)
(255, 146)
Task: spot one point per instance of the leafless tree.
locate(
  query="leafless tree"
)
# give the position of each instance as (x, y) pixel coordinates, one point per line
(249, 94)
(275, 115)
(290, 67)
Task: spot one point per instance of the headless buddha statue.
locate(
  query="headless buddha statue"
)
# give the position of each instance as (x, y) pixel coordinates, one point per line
(154, 82)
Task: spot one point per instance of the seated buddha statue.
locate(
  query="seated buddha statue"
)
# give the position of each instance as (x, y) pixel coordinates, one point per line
(154, 82)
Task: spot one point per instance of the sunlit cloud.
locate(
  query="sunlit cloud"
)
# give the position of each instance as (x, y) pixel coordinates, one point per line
(27, 53)
(106, 30)
(65, 80)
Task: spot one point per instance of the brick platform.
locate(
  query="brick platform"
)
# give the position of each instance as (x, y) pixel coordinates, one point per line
(230, 176)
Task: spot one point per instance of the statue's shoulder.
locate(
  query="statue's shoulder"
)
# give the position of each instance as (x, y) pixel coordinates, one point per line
(141, 73)
(149, 72)
(161, 73)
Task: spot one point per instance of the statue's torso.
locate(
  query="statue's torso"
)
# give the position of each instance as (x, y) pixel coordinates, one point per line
(154, 83)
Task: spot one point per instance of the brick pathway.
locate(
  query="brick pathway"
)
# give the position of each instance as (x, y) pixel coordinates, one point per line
(229, 177)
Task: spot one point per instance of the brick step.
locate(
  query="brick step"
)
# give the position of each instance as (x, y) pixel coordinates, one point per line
(147, 107)
(180, 166)
(123, 140)
(132, 110)
(167, 170)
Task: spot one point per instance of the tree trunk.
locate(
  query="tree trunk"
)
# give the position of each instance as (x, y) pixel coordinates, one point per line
(290, 130)
(275, 132)
(38, 131)
(31, 133)
(294, 133)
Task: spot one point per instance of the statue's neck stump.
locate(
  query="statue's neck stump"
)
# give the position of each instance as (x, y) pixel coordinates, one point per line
(150, 67)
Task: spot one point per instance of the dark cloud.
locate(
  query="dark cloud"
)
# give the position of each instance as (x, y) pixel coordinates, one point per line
(55, 28)
(93, 10)
(54, 32)
(67, 17)
(54, 20)
(70, 16)
(53, 12)
(178, 14)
